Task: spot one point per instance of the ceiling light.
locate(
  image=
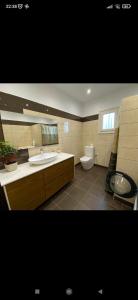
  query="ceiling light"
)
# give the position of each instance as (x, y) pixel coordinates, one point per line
(88, 91)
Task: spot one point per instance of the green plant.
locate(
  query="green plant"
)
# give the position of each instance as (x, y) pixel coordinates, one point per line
(7, 152)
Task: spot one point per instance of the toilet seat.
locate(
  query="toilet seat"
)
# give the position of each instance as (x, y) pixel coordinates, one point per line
(86, 162)
(85, 159)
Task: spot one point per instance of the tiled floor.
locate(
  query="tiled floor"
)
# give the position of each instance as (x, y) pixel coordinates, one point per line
(85, 192)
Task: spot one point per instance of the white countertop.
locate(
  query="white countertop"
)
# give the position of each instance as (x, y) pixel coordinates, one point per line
(26, 169)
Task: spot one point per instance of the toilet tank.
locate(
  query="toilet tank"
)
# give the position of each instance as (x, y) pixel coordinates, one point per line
(89, 151)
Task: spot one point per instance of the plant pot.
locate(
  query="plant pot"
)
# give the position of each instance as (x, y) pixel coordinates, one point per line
(10, 158)
(11, 167)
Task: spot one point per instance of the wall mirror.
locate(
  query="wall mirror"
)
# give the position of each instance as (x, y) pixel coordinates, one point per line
(26, 131)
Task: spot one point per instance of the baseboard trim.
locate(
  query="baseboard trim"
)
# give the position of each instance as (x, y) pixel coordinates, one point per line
(94, 165)
(77, 164)
(101, 166)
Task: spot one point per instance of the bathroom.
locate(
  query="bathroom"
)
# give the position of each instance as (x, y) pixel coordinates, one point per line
(79, 137)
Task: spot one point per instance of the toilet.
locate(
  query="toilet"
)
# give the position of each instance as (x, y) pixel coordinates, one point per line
(87, 161)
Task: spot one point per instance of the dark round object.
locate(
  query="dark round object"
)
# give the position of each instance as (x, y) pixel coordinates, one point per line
(122, 184)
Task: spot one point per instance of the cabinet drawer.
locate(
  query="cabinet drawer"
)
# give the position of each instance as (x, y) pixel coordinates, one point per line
(57, 170)
(26, 193)
(58, 183)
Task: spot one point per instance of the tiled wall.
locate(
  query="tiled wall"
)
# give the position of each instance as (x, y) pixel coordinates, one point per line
(70, 142)
(101, 141)
(36, 134)
(73, 136)
(128, 137)
(17, 135)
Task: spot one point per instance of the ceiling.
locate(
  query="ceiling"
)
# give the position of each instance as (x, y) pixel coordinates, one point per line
(98, 90)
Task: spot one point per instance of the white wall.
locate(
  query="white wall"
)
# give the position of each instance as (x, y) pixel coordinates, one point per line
(113, 100)
(46, 94)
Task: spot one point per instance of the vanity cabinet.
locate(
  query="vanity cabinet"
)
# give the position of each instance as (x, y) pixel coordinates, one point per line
(57, 176)
(26, 193)
(30, 192)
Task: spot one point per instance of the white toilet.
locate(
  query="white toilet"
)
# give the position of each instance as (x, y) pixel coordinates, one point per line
(87, 161)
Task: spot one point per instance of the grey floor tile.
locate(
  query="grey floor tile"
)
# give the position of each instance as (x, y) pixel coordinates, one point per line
(67, 204)
(77, 193)
(58, 197)
(91, 201)
(85, 192)
(97, 190)
(84, 185)
(68, 188)
(81, 206)
(49, 206)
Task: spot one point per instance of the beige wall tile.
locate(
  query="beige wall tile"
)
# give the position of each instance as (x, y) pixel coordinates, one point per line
(128, 142)
(100, 154)
(128, 153)
(129, 103)
(104, 138)
(8, 133)
(33, 151)
(129, 116)
(128, 129)
(129, 167)
(17, 135)
(127, 160)
(36, 134)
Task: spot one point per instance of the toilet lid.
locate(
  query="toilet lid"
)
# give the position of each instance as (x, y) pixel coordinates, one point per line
(85, 158)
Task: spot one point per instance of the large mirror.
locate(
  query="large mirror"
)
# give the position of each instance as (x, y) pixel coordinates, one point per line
(26, 131)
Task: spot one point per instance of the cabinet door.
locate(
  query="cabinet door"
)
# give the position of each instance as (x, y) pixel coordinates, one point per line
(57, 176)
(56, 170)
(26, 193)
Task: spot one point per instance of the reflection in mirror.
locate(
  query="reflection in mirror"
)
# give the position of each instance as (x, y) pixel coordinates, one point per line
(25, 131)
(119, 184)
(49, 134)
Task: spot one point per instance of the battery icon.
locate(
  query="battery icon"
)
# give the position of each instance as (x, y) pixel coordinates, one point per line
(126, 6)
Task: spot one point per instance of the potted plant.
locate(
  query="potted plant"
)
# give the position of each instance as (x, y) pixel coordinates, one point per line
(8, 156)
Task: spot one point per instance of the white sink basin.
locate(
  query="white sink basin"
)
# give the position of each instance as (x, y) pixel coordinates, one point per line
(43, 158)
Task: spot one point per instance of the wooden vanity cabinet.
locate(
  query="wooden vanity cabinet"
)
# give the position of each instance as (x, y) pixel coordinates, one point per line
(57, 176)
(30, 192)
(26, 193)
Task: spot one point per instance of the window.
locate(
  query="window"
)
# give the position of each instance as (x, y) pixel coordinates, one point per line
(66, 127)
(108, 120)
